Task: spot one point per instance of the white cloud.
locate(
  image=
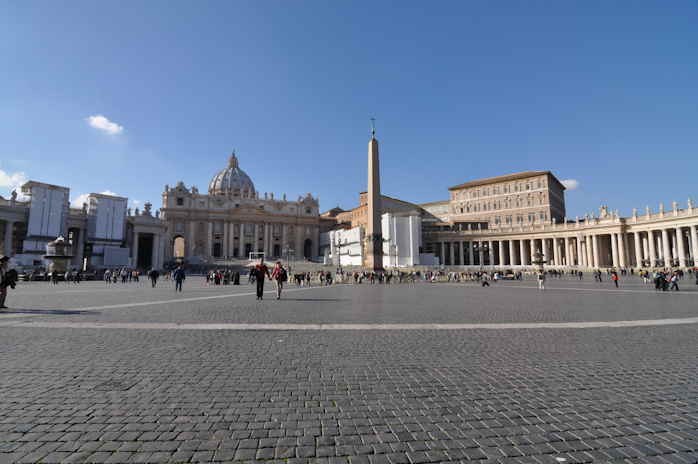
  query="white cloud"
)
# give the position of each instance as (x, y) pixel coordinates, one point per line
(13, 181)
(80, 199)
(570, 184)
(102, 123)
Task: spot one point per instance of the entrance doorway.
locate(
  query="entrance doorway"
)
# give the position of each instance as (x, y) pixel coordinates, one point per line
(308, 248)
(178, 247)
(144, 259)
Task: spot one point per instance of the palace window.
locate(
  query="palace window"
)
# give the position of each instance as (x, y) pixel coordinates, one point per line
(543, 216)
(531, 217)
(519, 219)
(508, 219)
(180, 201)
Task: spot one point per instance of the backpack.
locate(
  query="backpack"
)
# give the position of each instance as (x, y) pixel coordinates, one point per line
(283, 275)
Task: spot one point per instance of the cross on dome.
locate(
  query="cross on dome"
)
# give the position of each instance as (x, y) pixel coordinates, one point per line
(233, 161)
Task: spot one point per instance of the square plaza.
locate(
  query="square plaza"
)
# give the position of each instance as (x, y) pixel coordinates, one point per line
(402, 373)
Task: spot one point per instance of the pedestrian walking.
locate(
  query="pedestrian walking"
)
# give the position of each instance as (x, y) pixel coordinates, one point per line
(8, 278)
(280, 276)
(675, 281)
(179, 277)
(261, 271)
(614, 278)
(153, 275)
(541, 280)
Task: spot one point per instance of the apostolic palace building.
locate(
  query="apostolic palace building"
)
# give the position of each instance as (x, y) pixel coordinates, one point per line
(508, 221)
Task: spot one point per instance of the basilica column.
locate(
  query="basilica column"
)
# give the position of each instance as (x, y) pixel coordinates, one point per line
(694, 244)
(255, 239)
(681, 247)
(638, 249)
(242, 240)
(209, 240)
(666, 252)
(225, 239)
(546, 253)
(653, 248)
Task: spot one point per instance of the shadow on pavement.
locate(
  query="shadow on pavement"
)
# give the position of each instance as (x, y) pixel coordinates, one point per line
(315, 299)
(42, 311)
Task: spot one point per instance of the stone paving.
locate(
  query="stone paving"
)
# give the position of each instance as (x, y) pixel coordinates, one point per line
(525, 395)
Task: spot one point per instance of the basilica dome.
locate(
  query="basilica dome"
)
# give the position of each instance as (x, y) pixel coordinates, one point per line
(231, 180)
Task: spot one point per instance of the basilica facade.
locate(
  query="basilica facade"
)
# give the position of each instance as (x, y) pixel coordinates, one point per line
(232, 220)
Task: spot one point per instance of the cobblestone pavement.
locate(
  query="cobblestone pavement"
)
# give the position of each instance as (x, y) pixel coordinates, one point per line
(360, 396)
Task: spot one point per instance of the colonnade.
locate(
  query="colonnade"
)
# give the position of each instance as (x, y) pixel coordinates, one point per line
(665, 247)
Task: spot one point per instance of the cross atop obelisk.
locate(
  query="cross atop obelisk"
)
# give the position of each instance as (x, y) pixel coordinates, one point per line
(374, 233)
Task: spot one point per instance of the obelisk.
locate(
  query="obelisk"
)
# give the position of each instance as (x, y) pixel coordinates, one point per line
(374, 233)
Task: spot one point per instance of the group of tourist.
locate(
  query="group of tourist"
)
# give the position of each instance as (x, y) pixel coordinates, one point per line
(124, 274)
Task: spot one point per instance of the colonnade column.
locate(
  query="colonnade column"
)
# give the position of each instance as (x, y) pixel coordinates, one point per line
(556, 251)
(135, 250)
(512, 253)
(443, 253)
(155, 252)
(522, 252)
(452, 252)
(638, 249)
(580, 252)
(694, 244)
(461, 255)
(471, 253)
(9, 227)
(614, 250)
(490, 249)
(653, 248)
(666, 252)
(595, 247)
(546, 253)
(502, 253)
(621, 250)
(568, 262)
(480, 253)
(681, 247)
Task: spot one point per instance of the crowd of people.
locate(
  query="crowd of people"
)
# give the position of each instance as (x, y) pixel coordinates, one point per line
(662, 279)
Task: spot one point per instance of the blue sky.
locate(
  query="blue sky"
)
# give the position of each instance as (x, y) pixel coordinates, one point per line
(601, 92)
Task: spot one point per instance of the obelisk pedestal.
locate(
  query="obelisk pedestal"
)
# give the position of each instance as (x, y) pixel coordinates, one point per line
(374, 233)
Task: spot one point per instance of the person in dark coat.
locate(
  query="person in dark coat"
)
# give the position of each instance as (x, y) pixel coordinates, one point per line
(178, 276)
(260, 272)
(154, 275)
